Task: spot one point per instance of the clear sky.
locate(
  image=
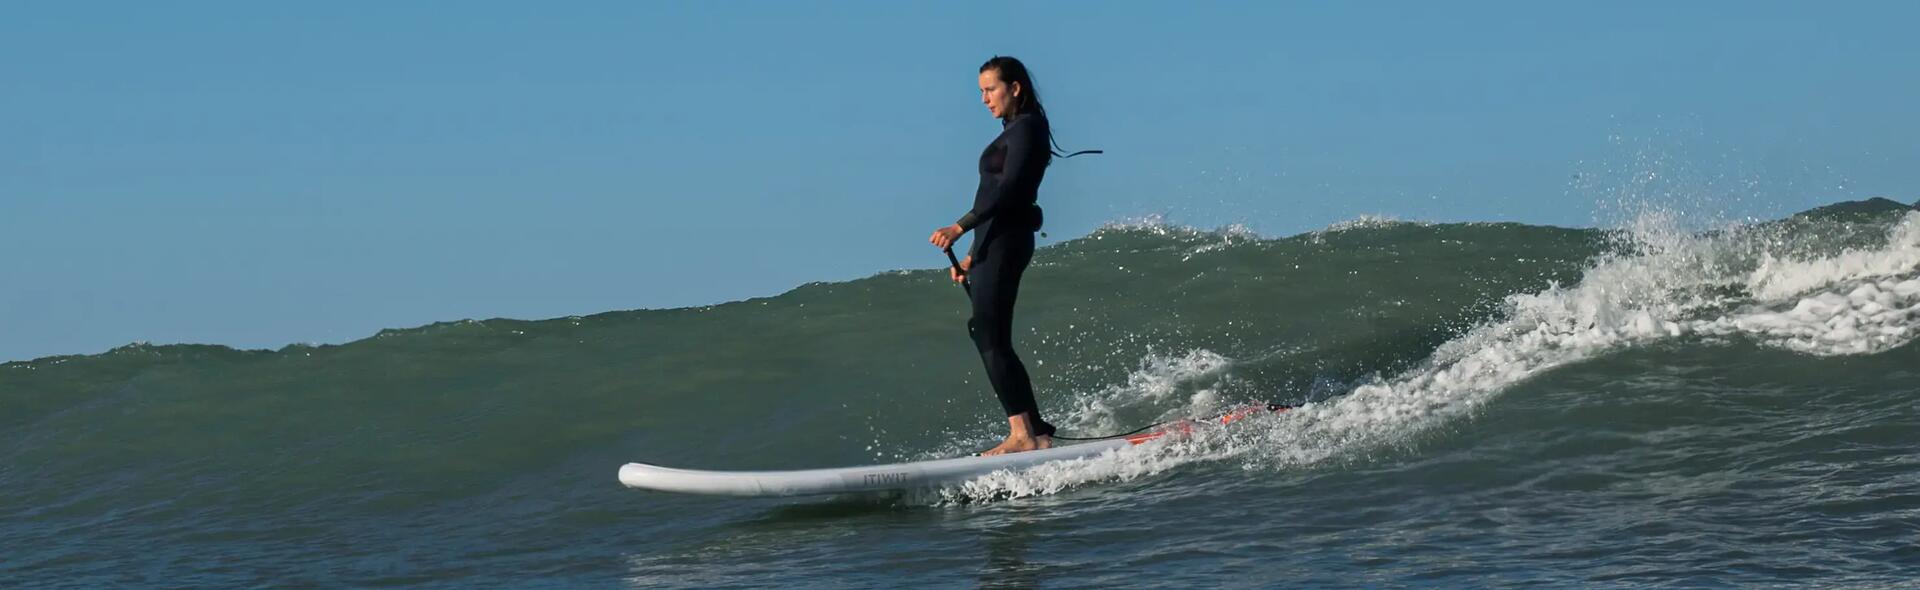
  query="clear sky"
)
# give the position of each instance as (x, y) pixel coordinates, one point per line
(261, 173)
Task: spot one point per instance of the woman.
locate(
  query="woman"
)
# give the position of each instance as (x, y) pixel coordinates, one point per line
(1003, 219)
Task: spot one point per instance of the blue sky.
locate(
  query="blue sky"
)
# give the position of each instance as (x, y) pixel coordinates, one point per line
(256, 174)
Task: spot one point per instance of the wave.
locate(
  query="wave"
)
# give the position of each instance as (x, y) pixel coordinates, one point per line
(1660, 285)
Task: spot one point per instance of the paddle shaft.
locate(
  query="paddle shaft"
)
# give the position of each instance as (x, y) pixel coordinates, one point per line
(964, 283)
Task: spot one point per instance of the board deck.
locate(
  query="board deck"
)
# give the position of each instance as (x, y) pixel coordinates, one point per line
(889, 477)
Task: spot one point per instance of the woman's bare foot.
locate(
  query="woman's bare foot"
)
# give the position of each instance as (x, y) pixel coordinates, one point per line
(1017, 444)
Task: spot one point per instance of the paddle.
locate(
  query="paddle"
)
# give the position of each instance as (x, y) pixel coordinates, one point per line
(964, 283)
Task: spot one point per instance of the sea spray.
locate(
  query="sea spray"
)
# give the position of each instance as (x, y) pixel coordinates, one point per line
(1659, 284)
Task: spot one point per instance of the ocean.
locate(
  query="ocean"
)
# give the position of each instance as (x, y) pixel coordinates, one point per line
(1481, 405)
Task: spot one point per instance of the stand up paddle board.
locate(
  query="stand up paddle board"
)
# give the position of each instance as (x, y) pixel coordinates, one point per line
(890, 477)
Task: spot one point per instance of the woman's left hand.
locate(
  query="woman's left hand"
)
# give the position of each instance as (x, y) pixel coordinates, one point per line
(943, 238)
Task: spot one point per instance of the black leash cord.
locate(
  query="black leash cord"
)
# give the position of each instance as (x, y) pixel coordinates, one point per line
(1134, 432)
(1271, 407)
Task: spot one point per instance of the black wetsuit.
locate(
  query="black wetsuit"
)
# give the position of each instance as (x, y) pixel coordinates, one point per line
(1003, 220)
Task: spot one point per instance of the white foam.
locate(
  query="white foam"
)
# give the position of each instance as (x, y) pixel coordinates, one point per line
(1856, 302)
(1158, 225)
(1782, 277)
(1670, 286)
(1367, 222)
(1158, 379)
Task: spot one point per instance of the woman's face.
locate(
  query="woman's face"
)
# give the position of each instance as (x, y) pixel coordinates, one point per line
(998, 96)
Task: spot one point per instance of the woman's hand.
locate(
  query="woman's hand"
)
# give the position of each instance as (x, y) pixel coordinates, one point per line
(943, 238)
(960, 273)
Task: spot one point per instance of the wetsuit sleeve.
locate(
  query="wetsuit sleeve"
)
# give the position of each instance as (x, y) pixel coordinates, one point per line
(1026, 155)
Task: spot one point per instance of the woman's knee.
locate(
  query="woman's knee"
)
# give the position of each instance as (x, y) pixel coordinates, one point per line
(990, 339)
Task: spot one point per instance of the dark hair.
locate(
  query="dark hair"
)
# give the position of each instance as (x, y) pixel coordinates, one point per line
(1012, 71)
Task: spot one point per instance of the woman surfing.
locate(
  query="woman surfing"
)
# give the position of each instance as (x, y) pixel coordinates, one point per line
(1003, 219)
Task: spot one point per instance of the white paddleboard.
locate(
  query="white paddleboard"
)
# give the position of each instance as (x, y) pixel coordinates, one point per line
(882, 478)
(846, 480)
